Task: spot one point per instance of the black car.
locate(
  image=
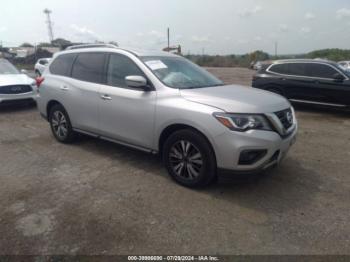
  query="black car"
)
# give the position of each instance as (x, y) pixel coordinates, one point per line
(306, 81)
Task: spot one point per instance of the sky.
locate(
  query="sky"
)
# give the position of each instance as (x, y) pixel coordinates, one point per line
(209, 26)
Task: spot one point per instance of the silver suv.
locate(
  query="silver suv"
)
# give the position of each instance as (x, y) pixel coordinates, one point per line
(162, 103)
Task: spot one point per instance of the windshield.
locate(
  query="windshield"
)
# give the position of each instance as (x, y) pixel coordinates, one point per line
(177, 72)
(7, 68)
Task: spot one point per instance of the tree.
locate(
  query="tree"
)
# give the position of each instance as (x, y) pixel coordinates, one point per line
(44, 44)
(259, 55)
(334, 54)
(4, 49)
(61, 42)
(26, 45)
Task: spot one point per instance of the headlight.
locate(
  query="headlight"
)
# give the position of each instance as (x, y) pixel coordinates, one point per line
(243, 122)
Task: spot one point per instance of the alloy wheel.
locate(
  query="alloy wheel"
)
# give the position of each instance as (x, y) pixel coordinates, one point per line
(186, 160)
(59, 124)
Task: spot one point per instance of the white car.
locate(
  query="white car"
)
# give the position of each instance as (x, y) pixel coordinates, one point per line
(345, 64)
(41, 65)
(257, 66)
(15, 86)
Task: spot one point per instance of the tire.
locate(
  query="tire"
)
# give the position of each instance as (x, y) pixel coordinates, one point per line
(189, 159)
(60, 125)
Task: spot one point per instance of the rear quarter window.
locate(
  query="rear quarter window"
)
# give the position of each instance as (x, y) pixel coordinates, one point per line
(62, 65)
(279, 69)
(43, 62)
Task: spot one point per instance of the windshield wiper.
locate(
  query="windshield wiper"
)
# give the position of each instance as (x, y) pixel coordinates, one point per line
(195, 87)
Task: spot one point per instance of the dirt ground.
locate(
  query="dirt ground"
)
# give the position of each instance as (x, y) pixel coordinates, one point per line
(95, 197)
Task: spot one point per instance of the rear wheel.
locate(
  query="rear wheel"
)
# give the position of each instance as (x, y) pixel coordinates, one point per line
(60, 124)
(189, 159)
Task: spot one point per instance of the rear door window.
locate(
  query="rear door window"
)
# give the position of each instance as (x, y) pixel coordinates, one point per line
(298, 69)
(62, 65)
(89, 67)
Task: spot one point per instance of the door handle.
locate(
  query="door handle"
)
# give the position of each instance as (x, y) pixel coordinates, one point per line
(64, 88)
(106, 97)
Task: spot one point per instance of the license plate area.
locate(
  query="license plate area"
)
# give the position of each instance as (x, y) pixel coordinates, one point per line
(285, 150)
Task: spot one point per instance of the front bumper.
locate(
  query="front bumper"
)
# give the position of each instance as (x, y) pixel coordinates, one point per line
(18, 98)
(229, 146)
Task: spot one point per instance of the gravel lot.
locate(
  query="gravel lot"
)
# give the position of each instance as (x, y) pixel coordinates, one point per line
(96, 197)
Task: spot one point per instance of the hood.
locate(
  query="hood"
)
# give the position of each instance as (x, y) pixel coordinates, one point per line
(237, 99)
(15, 79)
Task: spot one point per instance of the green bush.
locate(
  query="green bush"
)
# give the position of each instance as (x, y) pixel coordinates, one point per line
(228, 60)
(330, 54)
(246, 59)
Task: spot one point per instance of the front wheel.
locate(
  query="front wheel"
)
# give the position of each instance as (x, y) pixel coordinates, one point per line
(189, 159)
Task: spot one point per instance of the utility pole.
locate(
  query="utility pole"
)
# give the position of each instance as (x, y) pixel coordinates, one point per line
(49, 23)
(168, 39)
(35, 50)
(276, 49)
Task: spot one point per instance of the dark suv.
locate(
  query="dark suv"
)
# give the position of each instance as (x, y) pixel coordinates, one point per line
(306, 81)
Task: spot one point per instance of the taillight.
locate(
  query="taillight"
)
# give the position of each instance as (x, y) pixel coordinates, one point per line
(39, 81)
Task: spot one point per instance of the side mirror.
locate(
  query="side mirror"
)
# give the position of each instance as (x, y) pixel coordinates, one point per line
(338, 77)
(136, 82)
(23, 71)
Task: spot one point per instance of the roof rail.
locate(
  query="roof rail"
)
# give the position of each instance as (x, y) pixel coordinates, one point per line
(90, 46)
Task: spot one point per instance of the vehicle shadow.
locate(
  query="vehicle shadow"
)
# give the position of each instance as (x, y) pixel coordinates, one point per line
(286, 187)
(5, 109)
(142, 161)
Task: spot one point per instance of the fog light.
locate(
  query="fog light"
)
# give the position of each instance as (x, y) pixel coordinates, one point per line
(250, 157)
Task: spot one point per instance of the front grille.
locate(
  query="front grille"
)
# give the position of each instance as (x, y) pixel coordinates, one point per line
(15, 89)
(286, 117)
